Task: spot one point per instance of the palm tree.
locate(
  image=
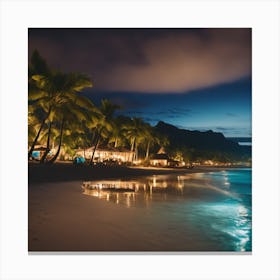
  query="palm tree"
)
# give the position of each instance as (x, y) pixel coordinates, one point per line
(49, 90)
(34, 120)
(37, 97)
(76, 136)
(70, 116)
(135, 134)
(61, 89)
(103, 124)
(150, 139)
(117, 137)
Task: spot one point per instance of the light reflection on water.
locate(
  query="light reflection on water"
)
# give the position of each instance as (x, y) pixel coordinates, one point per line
(215, 205)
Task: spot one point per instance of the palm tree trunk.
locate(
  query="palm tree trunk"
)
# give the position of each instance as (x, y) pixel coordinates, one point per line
(93, 140)
(48, 144)
(136, 151)
(39, 132)
(93, 136)
(36, 138)
(132, 144)
(147, 151)
(96, 142)
(59, 145)
(95, 147)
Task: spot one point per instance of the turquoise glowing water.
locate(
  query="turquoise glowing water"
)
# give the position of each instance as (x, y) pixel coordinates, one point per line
(209, 211)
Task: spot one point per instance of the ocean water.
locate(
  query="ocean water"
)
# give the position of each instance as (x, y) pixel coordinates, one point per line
(209, 211)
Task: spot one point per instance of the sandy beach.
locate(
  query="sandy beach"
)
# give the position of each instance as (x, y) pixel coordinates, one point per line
(62, 218)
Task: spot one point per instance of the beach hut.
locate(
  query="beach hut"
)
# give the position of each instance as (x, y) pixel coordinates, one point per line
(103, 154)
(160, 159)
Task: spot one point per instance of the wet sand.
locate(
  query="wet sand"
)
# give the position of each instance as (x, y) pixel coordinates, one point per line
(62, 218)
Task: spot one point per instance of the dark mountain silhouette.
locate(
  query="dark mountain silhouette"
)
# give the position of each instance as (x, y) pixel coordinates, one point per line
(208, 141)
(240, 139)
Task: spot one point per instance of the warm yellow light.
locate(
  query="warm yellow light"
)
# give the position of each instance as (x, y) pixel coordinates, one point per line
(154, 181)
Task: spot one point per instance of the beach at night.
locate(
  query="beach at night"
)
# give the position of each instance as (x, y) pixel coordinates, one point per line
(139, 140)
(181, 205)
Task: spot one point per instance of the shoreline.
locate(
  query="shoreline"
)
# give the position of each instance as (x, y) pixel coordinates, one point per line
(65, 172)
(61, 218)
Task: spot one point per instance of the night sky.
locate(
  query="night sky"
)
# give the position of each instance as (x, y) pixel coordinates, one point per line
(197, 79)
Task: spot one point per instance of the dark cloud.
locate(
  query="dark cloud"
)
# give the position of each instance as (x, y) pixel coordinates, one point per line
(148, 60)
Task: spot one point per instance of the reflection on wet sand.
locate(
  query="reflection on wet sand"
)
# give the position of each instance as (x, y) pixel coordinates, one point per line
(211, 208)
(155, 188)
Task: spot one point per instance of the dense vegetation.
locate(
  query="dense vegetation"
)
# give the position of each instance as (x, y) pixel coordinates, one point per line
(59, 116)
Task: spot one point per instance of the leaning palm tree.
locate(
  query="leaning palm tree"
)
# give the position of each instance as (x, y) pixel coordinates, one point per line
(69, 116)
(61, 89)
(34, 119)
(49, 90)
(37, 97)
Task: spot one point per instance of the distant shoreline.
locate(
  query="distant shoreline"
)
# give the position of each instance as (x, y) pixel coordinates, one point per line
(65, 172)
